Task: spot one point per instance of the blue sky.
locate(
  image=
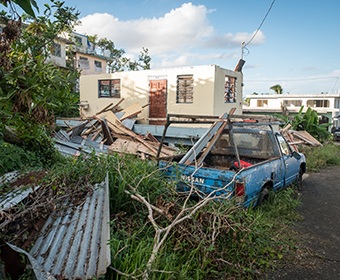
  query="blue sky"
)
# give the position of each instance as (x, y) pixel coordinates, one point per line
(297, 46)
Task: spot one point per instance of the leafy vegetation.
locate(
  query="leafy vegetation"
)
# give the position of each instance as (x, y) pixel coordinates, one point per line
(15, 158)
(221, 240)
(308, 121)
(321, 157)
(26, 5)
(277, 88)
(31, 88)
(117, 61)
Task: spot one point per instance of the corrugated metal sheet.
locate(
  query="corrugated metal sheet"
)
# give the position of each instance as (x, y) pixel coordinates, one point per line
(18, 194)
(69, 148)
(74, 245)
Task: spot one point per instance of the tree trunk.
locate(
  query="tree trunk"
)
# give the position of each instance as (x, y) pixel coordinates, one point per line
(11, 137)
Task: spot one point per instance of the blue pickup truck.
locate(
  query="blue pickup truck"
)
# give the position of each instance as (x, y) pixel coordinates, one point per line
(238, 157)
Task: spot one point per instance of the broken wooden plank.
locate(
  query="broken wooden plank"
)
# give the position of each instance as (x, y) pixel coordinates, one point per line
(131, 111)
(151, 137)
(103, 110)
(286, 128)
(77, 126)
(116, 106)
(291, 140)
(112, 119)
(96, 133)
(135, 136)
(146, 105)
(124, 146)
(70, 127)
(106, 132)
(305, 136)
(210, 144)
(130, 147)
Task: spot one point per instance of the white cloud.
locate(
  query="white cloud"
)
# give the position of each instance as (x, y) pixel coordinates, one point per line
(176, 34)
(178, 30)
(252, 66)
(229, 40)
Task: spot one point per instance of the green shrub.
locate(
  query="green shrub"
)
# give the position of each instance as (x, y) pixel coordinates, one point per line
(320, 157)
(15, 158)
(246, 243)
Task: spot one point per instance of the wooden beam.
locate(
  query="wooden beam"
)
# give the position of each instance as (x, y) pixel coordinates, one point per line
(134, 136)
(103, 110)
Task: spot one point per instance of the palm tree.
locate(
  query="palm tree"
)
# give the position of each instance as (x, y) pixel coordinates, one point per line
(277, 88)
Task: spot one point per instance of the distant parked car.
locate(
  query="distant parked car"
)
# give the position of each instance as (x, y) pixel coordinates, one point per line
(336, 134)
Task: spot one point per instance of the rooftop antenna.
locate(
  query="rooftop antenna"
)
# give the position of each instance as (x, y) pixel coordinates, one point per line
(242, 48)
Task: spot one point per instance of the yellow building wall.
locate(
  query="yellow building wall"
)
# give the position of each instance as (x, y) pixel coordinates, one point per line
(135, 88)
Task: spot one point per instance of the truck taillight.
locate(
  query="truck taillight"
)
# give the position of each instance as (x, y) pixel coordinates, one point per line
(239, 189)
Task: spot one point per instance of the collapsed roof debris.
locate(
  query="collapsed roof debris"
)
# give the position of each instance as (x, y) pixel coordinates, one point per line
(110, 130)
(63, 237)
(295, 138)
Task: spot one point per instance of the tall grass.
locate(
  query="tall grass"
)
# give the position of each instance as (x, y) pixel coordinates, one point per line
(320, 157)
(256, 239)
(247, 243)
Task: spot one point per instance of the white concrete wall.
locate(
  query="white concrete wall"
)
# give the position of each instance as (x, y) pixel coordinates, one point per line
(91, 60)
(60, 61)
(220, 107)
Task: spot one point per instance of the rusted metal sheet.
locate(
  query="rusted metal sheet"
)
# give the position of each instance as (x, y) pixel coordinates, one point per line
(17, 195)
(75, 244)
(69, 148)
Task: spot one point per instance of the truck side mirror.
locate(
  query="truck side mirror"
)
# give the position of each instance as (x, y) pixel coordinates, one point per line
(296, 155)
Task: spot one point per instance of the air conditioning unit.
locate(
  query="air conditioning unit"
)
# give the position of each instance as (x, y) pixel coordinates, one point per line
(84, 105)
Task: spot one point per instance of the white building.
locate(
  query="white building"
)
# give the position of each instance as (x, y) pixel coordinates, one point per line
(326, 105)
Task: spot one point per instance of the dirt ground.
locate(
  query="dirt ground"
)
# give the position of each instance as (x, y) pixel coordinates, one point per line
(319, 256)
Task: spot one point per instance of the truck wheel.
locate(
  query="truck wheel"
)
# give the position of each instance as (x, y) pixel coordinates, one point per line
(263, 196)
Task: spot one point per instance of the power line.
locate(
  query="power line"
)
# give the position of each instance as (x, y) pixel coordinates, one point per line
(258, 29)
(337, 79)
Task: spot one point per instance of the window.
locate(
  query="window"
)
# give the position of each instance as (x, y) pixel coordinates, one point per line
(230, 89)
(97, 66)
(109, 88)
(56, 51)
(337, 103)
(83, 63)
(283, 145)
(292, 103)
(78, 40)
(318, 103)
(185, 89)
(262, 103)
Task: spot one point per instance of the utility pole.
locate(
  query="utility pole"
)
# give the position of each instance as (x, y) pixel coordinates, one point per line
(242, 47)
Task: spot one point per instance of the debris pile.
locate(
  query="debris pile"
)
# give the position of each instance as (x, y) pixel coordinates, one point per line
(295, 138)
(110, 131)
(61, 226)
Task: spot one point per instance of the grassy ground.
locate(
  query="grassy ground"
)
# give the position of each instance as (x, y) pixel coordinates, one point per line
(321, 157)
(219, 241)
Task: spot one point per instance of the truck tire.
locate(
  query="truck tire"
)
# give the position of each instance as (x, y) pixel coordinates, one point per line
(264, 194)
